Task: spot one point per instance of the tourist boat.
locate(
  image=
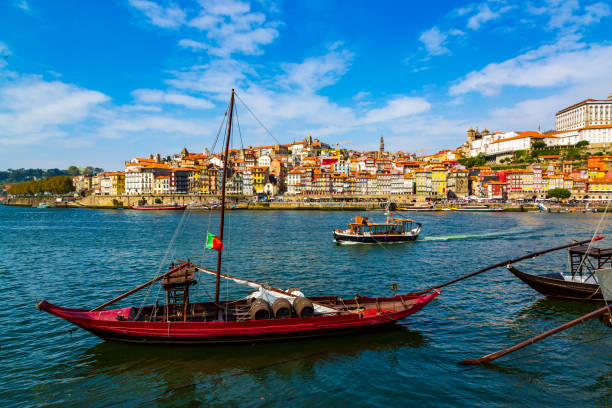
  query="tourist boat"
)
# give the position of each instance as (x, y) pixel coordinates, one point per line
(142, 205)
(365, 232)
(268, 314)
(580, 283)
(42, 204)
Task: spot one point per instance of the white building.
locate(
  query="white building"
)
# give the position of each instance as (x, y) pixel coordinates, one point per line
(138, 182)
(247, 183)
(106, 184)
(519, 141)
(589, 120)
(294, 182)
(590, 112)
(264, 161)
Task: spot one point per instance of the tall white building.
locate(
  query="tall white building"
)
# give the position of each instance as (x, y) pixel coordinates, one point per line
(590, 112)
(139, 182)
(589, 120)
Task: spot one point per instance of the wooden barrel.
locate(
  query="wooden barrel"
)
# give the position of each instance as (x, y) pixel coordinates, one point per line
(260, 309)
(281, 308)
(303, 307)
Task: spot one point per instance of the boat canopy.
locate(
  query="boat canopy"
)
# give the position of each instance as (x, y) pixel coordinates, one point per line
(586, 260)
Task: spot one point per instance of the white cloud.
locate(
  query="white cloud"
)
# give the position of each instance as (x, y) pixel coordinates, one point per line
(228, 26)
(397, 108)
(433, 39)
(32, 109)
(561, 64)
(568, 15)
(484, 14)
(317, 72)
(194, 45)
(154, 96)
(167, 17)
(361, 95)
(23, 4)
(152, 125)
(216, 78)
(233, 27)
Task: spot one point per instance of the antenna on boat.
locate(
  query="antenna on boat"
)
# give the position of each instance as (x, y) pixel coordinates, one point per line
(223, 179)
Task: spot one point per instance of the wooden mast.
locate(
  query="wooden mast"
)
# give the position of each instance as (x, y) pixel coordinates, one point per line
(227, 142)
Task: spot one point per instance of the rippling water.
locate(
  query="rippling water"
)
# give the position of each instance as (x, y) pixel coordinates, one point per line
(81, 258)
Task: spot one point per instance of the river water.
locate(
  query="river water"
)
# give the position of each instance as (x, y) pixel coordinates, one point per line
(81, 258)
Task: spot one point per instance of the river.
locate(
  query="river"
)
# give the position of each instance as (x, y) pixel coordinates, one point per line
(81, 258)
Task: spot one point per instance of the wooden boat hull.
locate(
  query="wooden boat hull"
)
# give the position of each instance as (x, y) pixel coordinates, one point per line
(106, 325)
(159, 208)
(373, 239)
(554, 286)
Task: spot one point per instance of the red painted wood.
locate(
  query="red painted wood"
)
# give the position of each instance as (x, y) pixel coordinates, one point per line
(105, 324)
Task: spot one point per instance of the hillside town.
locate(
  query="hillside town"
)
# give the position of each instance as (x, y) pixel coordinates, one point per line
(491, 165)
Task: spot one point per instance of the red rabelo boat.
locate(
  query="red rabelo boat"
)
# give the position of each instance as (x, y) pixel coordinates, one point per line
(267, 314)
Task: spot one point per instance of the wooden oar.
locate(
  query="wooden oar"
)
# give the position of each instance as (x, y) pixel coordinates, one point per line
(136, 289)
(504, 263)
(498, 354)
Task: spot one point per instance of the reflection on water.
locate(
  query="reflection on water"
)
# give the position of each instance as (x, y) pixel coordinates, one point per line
(176, 372)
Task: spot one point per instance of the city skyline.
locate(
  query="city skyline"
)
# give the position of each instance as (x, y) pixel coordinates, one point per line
(96, 84)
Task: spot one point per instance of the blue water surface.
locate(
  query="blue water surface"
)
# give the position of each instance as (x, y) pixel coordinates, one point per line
(81, 258)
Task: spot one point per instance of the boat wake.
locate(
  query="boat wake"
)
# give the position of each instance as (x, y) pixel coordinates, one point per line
(485, 235)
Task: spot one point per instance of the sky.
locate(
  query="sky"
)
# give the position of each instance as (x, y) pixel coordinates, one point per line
(96, 83)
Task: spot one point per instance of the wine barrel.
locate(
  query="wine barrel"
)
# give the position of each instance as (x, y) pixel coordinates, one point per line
(303, 307)
(260, 309)
(281, 308)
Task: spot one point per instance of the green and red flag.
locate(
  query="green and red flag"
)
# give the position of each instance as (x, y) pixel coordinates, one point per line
(213, 242)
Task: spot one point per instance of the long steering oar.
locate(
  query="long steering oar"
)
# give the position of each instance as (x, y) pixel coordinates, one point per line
(498, 354)
(504, 263)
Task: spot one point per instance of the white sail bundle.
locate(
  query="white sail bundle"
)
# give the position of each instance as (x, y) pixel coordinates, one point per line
(269, 295)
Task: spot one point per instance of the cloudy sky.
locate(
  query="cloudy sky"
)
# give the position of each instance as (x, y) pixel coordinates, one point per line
(99, 82)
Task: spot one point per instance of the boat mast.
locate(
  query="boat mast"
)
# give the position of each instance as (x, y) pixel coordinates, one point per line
(227, 142)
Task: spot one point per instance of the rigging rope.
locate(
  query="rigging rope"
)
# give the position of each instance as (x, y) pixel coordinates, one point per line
(256, 118)
(164, 259)
(586, 254)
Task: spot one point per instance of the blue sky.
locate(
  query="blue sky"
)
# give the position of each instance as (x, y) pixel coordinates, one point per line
(99, 82)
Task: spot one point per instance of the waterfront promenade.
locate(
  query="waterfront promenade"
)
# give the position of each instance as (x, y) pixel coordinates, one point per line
(311, 204)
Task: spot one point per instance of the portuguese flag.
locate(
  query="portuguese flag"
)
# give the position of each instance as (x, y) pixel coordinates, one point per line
(213, 242)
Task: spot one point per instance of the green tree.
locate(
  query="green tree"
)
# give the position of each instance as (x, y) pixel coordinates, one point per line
(582, 143)
(470, 162)
(54, 185)
(538, 145)
(558, 193)
(73, 171)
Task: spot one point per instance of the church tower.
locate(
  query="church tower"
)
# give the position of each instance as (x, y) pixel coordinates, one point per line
(382, 146)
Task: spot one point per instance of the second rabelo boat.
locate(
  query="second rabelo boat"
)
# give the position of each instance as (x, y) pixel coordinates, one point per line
(268, 314)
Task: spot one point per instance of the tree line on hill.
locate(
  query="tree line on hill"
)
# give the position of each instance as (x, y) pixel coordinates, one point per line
(54, 185)
(20, 175)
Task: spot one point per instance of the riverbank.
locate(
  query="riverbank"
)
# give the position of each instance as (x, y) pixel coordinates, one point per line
(124, 202)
